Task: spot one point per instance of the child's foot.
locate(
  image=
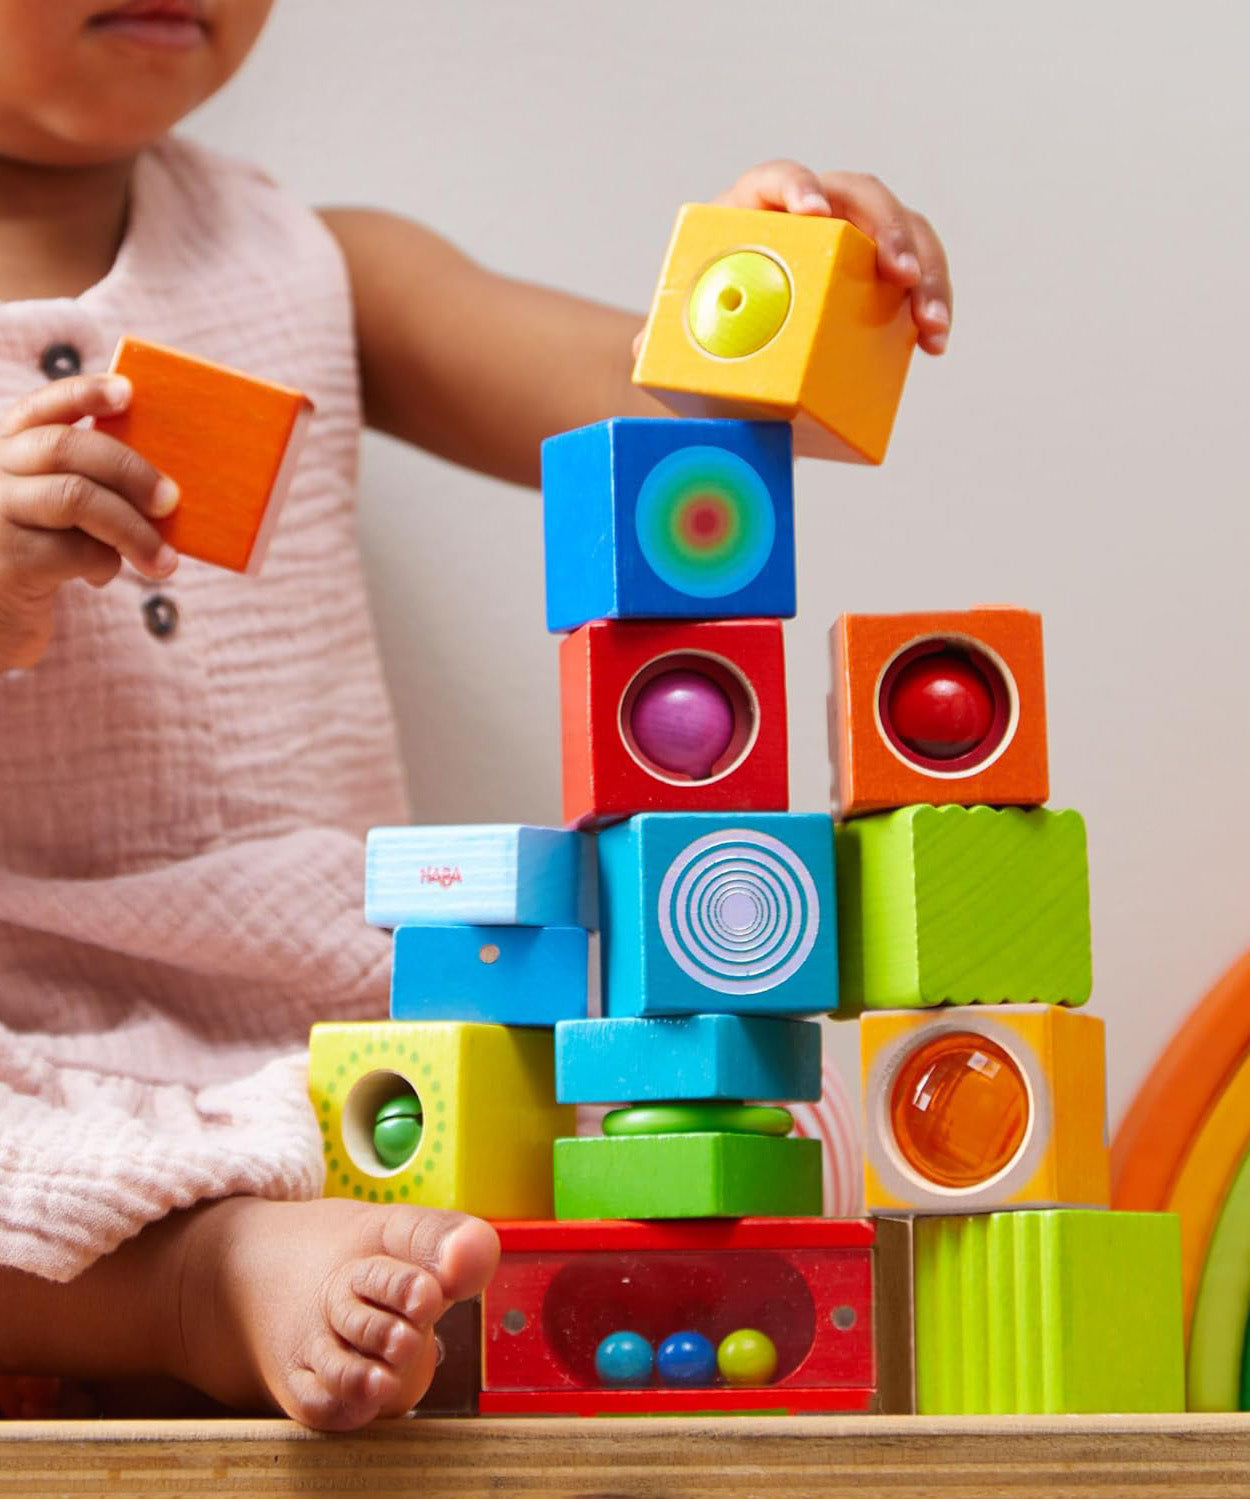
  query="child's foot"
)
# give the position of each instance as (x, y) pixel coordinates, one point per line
(324, 1309)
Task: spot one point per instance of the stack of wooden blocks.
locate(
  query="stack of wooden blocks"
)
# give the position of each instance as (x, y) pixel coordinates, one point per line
(964, 919)
(677, 1260)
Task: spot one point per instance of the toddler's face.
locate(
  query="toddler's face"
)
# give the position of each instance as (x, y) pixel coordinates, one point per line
(83, 81)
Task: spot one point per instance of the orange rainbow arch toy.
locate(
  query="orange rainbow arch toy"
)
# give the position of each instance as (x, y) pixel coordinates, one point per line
(1184, 1147)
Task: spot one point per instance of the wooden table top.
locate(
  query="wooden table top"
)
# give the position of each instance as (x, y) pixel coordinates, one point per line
(713, 1458)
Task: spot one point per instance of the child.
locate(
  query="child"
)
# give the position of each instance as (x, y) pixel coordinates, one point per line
(189, 760)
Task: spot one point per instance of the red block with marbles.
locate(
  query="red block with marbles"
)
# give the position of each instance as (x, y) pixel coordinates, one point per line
(817, 1288)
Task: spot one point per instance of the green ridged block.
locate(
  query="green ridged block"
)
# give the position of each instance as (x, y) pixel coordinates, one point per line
(687, 1176)
(1062, 1311)
(963, 905)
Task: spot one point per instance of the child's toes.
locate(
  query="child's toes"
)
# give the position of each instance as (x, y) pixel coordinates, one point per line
(413, 1378)
(373, 1331)
(360, 1386)
(305, 1399)
(460, 1252)
(468, 1260)
(405, 1289)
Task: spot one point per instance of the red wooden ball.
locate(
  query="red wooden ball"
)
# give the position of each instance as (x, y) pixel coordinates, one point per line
(941, 706)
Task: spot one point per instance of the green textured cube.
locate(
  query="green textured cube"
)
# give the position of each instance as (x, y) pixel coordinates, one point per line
(963, 905)
(1062, 1311)
(687, 1176)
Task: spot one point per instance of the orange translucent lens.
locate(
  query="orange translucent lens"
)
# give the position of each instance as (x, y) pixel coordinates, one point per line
(959, 1109)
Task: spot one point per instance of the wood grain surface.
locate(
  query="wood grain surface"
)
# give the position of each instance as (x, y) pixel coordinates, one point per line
(814, 1458)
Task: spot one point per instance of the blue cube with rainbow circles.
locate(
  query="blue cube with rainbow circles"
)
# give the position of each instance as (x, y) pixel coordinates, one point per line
(668, 519)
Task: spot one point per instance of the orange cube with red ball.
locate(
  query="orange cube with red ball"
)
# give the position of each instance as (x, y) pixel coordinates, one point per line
(946, 708)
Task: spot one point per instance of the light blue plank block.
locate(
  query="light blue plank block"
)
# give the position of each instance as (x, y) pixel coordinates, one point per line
(669, 518)
(697, 1058)
(492, 874)
(506, 975)
(706, 912)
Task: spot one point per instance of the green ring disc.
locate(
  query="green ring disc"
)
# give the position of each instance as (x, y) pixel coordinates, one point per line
(699, 1119)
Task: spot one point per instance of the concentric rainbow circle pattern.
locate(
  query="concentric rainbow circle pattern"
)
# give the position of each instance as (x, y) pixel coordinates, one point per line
(739, 911)
(705, 521)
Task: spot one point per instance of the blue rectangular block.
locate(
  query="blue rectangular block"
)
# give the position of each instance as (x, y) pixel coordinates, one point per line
(492, 874)
(733, 913)
(506, 975)
(656, 518)
(698, 1058)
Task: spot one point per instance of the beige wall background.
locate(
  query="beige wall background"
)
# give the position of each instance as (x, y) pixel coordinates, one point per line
(1079, 451)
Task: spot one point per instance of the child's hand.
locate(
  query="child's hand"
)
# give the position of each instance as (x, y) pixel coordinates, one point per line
(72, 505)
(909, 253)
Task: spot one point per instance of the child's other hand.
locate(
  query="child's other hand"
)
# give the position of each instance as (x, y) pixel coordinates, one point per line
(909, 253)
(73, 503)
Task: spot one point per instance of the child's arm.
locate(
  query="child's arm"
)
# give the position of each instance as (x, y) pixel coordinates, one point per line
(479, 368)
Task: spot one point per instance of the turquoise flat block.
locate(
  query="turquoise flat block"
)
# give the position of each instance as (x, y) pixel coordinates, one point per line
(697, 1058)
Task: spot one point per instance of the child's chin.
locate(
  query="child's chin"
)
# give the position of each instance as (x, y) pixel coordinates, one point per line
(104, 130)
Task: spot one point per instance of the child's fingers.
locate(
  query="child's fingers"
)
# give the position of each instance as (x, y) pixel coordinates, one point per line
(67, 401)
(69, 502)
(909, 253)
(46, 559)
(65, 451)
(931, 298)
(781, 184)
(872, 207)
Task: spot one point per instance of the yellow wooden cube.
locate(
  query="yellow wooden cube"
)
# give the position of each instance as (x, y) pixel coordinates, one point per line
(779, 317)
(964, 1113)
(476, 1104)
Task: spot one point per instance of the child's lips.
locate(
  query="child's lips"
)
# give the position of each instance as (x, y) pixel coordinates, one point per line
(174, 24)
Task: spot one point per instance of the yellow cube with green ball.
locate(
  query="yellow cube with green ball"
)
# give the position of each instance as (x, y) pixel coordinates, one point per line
(439, 1114)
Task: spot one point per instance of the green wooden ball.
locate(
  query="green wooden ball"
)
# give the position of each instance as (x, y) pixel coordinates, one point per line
(397, 1130)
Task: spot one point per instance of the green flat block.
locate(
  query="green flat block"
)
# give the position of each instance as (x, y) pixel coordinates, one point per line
(687, 1176)
(963, 905)
(1057, 1312)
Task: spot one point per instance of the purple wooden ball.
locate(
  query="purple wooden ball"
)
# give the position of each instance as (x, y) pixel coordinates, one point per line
(683, 722)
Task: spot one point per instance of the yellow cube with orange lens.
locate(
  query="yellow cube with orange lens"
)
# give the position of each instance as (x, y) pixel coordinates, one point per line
(779, 317)
(440, 1114)
(971, 1113)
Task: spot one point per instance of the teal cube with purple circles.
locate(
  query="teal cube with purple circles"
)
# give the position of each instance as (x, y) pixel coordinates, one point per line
(726, 913)
(662, 518)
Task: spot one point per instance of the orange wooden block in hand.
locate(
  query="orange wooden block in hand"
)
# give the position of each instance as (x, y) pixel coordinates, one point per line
(228, 441)
(948, 709)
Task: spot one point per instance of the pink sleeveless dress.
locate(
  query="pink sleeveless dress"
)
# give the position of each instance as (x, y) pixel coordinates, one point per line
(187, 777)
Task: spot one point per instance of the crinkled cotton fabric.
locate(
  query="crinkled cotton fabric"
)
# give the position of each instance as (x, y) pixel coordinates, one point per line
(182, 814)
